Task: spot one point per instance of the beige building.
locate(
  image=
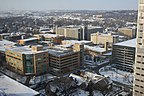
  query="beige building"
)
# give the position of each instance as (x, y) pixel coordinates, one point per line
(50, 37)
(138, 89)
(70, 32)
(78, 32)
(72, 42)
(28, 41)
(128, 31)
(100, 38)
(64, 59)
(27, 61)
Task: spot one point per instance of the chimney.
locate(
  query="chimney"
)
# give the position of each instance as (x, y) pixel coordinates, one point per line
(106, 46)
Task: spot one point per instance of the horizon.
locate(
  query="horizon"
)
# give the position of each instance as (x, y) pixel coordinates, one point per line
(38, 5)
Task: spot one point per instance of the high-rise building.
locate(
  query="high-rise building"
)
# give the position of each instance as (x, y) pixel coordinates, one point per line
(138, 89)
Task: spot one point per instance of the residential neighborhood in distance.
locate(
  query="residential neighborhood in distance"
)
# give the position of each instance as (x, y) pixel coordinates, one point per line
(71, 51)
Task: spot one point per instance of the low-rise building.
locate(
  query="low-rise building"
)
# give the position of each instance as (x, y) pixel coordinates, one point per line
(96, 54)
(72, 42)
(4, 44)
(123, 55)
(50, 37)
(64, 59)
(27, 61)
(28, 41)
(10, 87)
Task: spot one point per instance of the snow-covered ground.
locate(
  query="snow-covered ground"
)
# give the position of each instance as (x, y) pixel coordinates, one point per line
(117, 75)
(80, 92)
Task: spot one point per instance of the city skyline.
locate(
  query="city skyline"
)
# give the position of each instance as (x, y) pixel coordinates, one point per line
(38, 5)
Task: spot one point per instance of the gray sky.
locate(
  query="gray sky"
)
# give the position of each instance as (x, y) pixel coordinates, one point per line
(68, 4)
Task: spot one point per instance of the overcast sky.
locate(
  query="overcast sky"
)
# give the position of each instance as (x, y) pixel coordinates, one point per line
(68, 4)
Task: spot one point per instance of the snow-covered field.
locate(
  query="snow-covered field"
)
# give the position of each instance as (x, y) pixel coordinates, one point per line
(117, 75)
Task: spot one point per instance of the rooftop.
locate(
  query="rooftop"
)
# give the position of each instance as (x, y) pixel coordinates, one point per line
(10, 87)
(128, 43)
(25, 50)
(94, 48)
(78, 42)
(6, 43)
(59, 51)
(29, 39)
(94, 27)
(50, 35)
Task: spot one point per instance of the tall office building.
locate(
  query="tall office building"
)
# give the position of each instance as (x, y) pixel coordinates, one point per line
(138, 89)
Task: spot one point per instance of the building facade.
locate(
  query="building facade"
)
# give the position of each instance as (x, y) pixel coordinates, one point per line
(57, 39)
(138, 89)
(64, 60)
(124, 55)
(99, 38)
(28, 41)
(70, 32)
(82, 32)
(128, 31)
(27, 61)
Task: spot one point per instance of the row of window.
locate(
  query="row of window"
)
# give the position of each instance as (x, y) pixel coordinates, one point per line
(139, 74)
(139, 68)
(139, 92)
(139, 80)
(140, 62)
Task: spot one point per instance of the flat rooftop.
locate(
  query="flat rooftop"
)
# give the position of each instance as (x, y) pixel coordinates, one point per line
(78, 42)
(128, 43)
(94, 48)
(60, 51)
(30, 39)
(10, 87)
(6, 43)
(50, 35)
(25, 50)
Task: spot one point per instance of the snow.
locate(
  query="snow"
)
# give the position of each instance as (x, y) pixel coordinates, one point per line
(79, 79)
(50, 35)
(97, 93)
(29, 39)
(80, 92)
(117, 75)
(77, 42)
(95, 48)
(12, 88)
(6, 43)
(128, 43)
(109, 53)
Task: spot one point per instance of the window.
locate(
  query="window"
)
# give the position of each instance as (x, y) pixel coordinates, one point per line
(138, 62)
(137, 74)
(138, 68)
(137, 85)
(137, 79)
